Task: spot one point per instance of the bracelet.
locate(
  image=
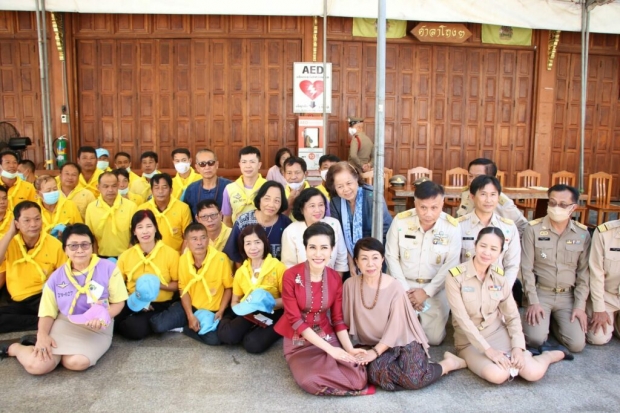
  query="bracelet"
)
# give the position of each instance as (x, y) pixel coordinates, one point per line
(375, 350)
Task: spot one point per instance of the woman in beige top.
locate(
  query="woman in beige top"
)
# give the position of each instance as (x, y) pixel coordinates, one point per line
(487, 324)
(379, 315)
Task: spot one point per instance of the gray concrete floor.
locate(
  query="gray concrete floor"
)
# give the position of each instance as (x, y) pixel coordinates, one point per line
(175, 373)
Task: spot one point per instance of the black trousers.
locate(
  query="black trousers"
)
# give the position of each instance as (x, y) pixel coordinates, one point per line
(254, 339)
(136, 326)
(20, 315)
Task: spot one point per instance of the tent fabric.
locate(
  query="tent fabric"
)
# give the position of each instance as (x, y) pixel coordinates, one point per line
(562, 15)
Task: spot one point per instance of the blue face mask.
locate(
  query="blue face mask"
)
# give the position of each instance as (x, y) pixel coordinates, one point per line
(51, 198)
(103, 165)
(21, 176)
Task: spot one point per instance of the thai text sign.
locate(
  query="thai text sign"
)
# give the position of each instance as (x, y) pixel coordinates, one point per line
(441, 32)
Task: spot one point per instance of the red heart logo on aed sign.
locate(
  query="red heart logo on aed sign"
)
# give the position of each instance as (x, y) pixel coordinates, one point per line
(311, 89)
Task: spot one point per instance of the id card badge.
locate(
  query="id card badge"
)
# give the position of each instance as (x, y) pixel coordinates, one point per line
(95, 292)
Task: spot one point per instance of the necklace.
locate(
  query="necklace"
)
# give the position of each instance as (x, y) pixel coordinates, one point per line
(376, 295)
(265, 226)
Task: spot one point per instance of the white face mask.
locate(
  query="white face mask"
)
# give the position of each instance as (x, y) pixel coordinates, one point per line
(324, 174)
(128, 169)
(296, 185)
(123, 192)
(182, 167)
(149, 176)
(8, 175)
(558, 214)
(352, 131)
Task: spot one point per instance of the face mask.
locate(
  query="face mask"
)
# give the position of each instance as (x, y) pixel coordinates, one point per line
(103, 165)
(51, 198)
(352, 131)
(8, 175)
(558, 214)
(21, 176)
(324, 174)
(148, 176)
(182, 167)
(296, 185)
(128, 169)
(123, 192)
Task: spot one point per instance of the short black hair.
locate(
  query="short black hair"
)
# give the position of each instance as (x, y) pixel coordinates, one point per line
(73, 164)
(302, 199)
(22, 206)
(193, 227)
(76, 229)
(489, 165)
(158, 177)
(481, 181)
(8, 152)
(296, 160)
(263, 190)
(207, 203)
(491, 230)
(121, 171)
(260, 233)
(319, 228)
(561, 187)
(279, 154)
(428, 190)
(138, 217)
(28, 164)
(86, 149)
(368, 244)
(106, 173)
(149, 154)
(183, 151)
(249, 150)
(328, 158)
(338, 168)
(125, 154)
(4, 189)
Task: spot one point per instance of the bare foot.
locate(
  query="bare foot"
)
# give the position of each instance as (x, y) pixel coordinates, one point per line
(453, 361)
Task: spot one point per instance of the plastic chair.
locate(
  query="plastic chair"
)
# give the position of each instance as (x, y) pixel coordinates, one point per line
(599, 190)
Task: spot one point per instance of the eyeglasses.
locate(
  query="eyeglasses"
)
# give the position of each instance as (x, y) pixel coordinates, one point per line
(205, 163)
(210, 217)
(83, 246)
(554, 204)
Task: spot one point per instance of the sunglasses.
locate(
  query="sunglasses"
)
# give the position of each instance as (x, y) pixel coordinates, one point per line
(205, 163)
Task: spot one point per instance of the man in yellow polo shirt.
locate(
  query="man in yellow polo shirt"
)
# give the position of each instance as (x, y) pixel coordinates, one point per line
(325, 162)
(149, 161)
(205, 283)
(239, 195)
(208, 214)
(89, 174)
(19, 190)
(186, 175)
(122, 160)
(109, 218)
(70, 188)
(172, 215)
(28, 257)
(295, 171)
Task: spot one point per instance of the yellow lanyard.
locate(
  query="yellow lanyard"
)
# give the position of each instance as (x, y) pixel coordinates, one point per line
(79, 290)
(89, 185)
(48, 226)
(148, 260)
(162, 215)
(247, 267)
(15, 190)
(110, 211)
(200, 275)
(29, 258)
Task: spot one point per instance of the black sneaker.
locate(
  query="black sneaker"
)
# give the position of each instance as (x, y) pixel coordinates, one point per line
(547, 347)
(4, 347)
(28, 340)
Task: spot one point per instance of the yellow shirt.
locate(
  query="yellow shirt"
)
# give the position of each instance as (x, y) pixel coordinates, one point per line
(81, 198)
(141, 186)
(269, 278)
(25, 276)
(172, 221)
(111, 225)
(242, 198)
(8, 220)
(162, 261)
(179, 184)
(135, 198)
(220, 242)
(93, 183)
(205, 286)
(20, 191)
(323, 191)
(66, 212)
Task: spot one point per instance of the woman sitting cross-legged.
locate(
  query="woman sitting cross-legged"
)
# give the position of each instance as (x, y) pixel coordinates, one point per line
(78, 305)
(377, 310)
(487, 326)
(317, 347)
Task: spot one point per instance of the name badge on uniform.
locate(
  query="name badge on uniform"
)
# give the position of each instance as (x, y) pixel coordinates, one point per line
(468, 238)
(95, 291)
(495, 288)
(573, 241)
(410, 236)
(467, 289)
(614, 249)
(544, 239)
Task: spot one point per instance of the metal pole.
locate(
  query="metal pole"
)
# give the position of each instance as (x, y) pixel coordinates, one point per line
(42, 72)
(48, 126)
(325, 76)
(377, 216)
(585, 42)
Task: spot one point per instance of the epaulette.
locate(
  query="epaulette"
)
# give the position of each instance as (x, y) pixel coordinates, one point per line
(498, 270)
(456, 271)
(452, 220)
(536, 221)
(609, 225)
(506, 220)
(580, 225)
(502, 199)
(464, 217)
(405, 214)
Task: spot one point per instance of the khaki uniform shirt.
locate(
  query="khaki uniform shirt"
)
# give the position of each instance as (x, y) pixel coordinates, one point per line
(556, 260)
(510, 258)
(505, 208)
(413, 254)
(361, 151)
(478, 305)
(605, 264)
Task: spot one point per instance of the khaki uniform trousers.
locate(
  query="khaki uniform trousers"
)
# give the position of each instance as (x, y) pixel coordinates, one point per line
(434, 319)
(560, 306)
(612, 306)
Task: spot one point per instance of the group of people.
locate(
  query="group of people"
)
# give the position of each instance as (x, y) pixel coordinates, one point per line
(99, 250)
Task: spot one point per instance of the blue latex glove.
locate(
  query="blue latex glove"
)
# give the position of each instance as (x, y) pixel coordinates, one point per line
(57, 230)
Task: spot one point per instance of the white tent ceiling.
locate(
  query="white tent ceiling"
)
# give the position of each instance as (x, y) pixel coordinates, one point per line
(537, 14)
